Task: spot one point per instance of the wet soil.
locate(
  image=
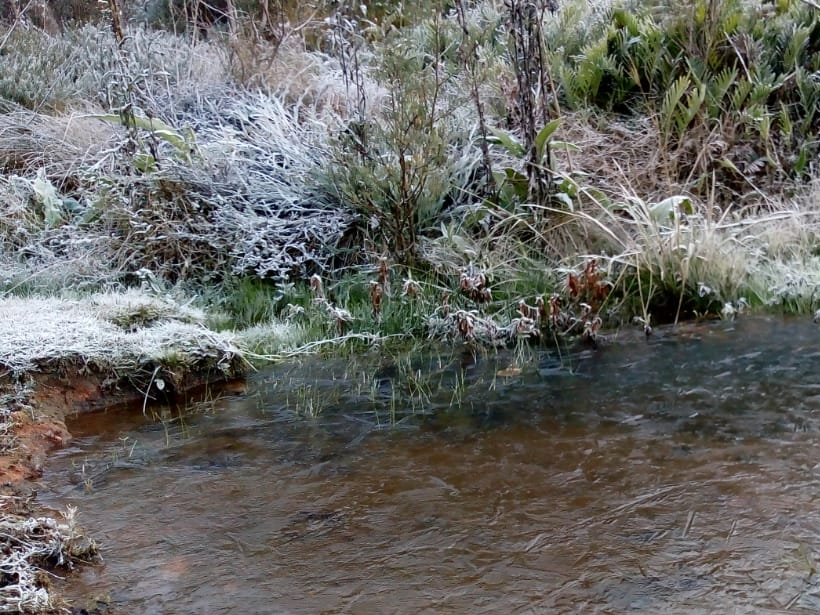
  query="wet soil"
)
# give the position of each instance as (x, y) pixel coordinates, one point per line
(38, 427)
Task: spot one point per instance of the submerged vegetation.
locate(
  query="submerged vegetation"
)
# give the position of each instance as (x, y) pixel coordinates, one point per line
(473, 171)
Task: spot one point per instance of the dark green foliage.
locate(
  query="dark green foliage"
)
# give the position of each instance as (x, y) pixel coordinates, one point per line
(669, 299)
(251, 301)
(729, 82)
(403, 167)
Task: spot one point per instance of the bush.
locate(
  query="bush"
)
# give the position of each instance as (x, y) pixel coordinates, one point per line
(402, 163)
(730, 85)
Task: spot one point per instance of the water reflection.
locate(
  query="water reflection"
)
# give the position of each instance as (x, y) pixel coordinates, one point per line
(676, 475)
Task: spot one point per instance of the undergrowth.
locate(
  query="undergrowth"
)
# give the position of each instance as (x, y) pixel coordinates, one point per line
(474, 171)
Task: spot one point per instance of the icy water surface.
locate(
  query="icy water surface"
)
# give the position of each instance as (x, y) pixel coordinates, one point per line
(678, 475)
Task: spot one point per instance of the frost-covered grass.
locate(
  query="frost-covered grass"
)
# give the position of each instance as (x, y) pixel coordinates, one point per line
(31, 544)
(244, 200)
(80, 67)
(108, 332)
(680, 259)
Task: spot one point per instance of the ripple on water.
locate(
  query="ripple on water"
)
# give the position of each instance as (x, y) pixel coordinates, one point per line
(674, 475)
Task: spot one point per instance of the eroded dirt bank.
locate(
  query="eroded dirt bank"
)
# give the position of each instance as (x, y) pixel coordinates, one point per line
(60, 357)
(36, 423)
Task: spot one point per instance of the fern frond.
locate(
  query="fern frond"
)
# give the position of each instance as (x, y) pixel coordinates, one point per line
(671, 102)
(718, 87)
(739, 96)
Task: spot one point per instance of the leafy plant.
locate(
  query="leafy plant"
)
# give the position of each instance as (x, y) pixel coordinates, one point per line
(146, 158)
(402, 167)
(726, 83)
(514, 186)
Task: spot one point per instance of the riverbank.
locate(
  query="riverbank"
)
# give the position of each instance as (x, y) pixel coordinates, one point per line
(64, 356)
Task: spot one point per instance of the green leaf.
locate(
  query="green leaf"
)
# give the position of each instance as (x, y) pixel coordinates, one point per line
(46, 194)
(515, 182)
(507, 141)
(728, 164)
(172, 137)
(566, 145)
(565, 199)
(624, 19)
(668, 209)
(694, 102)
(742, 90)
(785, 120)
(718, 88)
(568, 187)
(475, 217)
(669, 106)
(145, 163)
(543, 136)
(802, 159)
(796, 49)
(153, 125)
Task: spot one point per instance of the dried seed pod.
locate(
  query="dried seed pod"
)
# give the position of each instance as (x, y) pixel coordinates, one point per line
(376, 294)
(410, 288)
(384, 275)
(573, 285)
(316, 286)
(445, 304)
(465, 325)
(541, 307)
(527, 311)
(555, 310)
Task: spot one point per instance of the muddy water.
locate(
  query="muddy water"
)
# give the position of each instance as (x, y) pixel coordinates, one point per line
(677, 475)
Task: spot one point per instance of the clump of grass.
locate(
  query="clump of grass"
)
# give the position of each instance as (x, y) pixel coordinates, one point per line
(245, 302)
(87, 333)
(264, 216)
(31, 544)
(76, 68)
(133, 309)
(678, 258)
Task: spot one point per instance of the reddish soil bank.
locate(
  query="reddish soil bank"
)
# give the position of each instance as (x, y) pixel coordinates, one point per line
(40, 427)
(36, 426)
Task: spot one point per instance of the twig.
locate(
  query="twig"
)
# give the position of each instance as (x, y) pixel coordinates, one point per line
(17, 19)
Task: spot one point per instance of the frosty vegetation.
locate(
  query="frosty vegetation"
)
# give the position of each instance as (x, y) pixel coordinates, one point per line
(109, 332)
(230, 160)
(31, 544)
(191, 186)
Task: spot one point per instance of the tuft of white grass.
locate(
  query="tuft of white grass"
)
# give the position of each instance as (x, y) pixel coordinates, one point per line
(28, 544)
(35, 332)
(133, 309)
(271, 339)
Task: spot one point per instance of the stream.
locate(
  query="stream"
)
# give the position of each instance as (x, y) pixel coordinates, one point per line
(678, 474)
